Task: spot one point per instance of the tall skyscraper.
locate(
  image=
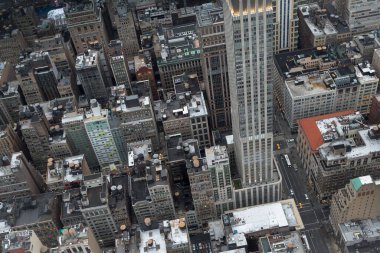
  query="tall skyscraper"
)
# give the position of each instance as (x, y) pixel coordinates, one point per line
(286, 25)
(249, 41)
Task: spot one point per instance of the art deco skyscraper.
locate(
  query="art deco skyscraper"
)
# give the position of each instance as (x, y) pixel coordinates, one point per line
(249, 41)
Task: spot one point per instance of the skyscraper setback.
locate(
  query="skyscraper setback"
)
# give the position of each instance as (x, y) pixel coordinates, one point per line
(249, 41)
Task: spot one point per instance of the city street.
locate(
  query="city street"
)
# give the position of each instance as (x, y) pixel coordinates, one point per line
(313, 215)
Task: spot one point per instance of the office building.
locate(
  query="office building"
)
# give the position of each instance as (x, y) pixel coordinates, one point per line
(90, 75)
(23, 241)
(308, 140)
(126, 28)
(96, 210)
(151, 193)
(359, 236)
(202, 191)
(346, 148)
(356, 201)
(376, 60)
(218, 165)
(318, 28)
(85, 24)
(285, 26)
(119, 64)
(60, 51)
(77, 138)
(144, 71)
(7, 73)
(367, 43)
(306, 93)
(37, 76)
(360, 16)
(186, 57)
(35, 131)
(119, 202)
(168, 236)
(26, 20)
(179, 151)
(374, 112)
(10, 141)
(9, 103)
(18, 177)
(284, 242)
(12, 43)
(66, 173)
(337, 89)
(242, 225)
(77, 238)
(210, 27)
(137, 120)
(250, 72)
(39, 213)
(99, 132)
(185, 112)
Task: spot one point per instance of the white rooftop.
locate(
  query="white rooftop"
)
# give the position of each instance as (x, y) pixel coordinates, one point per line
(152, 241)
(215, 154)
(177, 236)
(334, 127)
(256, 218)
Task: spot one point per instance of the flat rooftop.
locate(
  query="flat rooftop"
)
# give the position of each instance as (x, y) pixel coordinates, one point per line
(152, 241)
(261, 217)
(175, 148)
(317, 133)
(179, 44)
(363, 148)
(178, 232)
(209, 13)
(181, 106)
(310, 84)
(358, 231)
(291, 242)
(87, 60)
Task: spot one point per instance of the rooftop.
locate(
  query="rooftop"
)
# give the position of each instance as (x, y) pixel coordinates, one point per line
(181, 106)
(301, 62)
(79, 6)
(358, 182)
(178, 233)
(312, 130)
(18, 240)
(310, 84)
(152, 241)
(177, 149)
(131, 103)
(178, 44)
(209, 13)
(215, 154)
(27, 210)
(68, 170)
(367, 143)
(73, 234)
(262, 217)
(356, 232)
(317, 21)
(87, 60)
(283, 243)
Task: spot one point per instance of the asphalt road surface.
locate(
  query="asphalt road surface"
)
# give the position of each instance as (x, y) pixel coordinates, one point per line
(313, 215)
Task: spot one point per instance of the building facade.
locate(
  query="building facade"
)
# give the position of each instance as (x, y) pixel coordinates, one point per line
(100, 135)
(90, 75)
(249, 41)
(210, 27)
(356, 201)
